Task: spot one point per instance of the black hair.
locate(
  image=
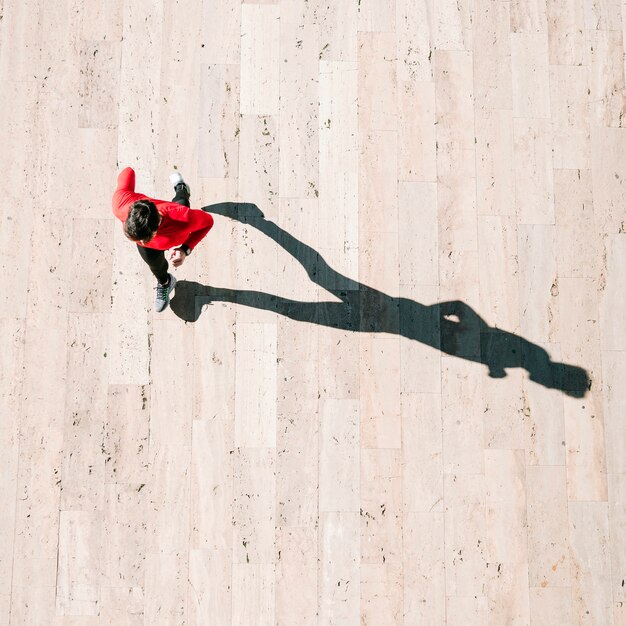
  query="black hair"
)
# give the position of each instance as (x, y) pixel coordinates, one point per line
(142, 221)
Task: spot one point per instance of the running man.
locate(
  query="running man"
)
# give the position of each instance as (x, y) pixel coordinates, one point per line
(156, 226)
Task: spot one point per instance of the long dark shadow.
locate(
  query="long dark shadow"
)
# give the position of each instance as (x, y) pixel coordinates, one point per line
(452, 327)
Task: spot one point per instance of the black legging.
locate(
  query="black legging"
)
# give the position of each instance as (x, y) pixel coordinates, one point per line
(156, 258)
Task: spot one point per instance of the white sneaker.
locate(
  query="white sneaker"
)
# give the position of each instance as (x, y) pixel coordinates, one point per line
(163, 293)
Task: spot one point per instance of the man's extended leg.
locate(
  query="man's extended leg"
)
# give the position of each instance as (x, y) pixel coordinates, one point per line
(158, 266)
(181, 188)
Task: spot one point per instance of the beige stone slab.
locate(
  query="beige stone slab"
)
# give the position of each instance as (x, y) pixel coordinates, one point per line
(171, 414)
(462, 409)
(376, 16)
(78, 570)
(120, 605)
(258, 162)
(422, 476)
(613, 334)
(534, 178)
(418, 233)
(608, 173)
(11, 364)
(492, 55)
(381, 593)
(378, 185)
(297, 464)
(423, 567)
(381, 507)
(218, 131)
(550, 604)
(5, 607)
(32, 605)
(507, 590)
(211, 506)
(417, 136)
(606, 77)
(125, 443)
(495, 191)
(83, 471)
(214, 363)
(338, 166)
(498, 269)
(90, 289)
(254, 506)
(420, 363)
(299, 111)
(528, 17)
(505, 423)
(168, 490)
(221, 33)
(414, 28)
(166, 587)
(613, 369)
(140, 75)
(380, 412)
(585, 455)
(338, 28)
(617, 527)
(465, 535)
(544, 418)
(578, 248)
(566, 32)
(128, 338)
(124, 539)
(548, 532)
(539, 313)
(459, 280)
(210, 591)
(466, 610)
(378, 101)
(603, 15)
(102, 22)
(339, 569)
(530, 75)
(590, 562)
(339, 456)
(338, 372)
(260, 37)
(378, 268)
(255, 385)
(99, 75)
(254, 589)
(452, 23)
(456, 167)
(297, 561)
(570, 117)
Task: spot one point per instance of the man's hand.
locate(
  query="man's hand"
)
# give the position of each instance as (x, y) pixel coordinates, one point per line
(177, 257)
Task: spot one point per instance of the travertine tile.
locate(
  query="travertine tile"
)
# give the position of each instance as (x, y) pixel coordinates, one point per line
(259, 59)
(211, 503)
(381, 593)
(376, 16)
(121, 605)
(210, 586)
(534, 178)
(299, 111)
(495, 191)
(339, 571)
(492, 55)
(466, 610)
(422, 481)
(617, 528)
(221, 32)
(548, 534)
(528, 17)
(613, 368)
(612, 310)
(255, 385)
(338, 24)
(78, 570)
(530, 75)
(218, 132)
(590, 562)
(550, 604)
(254, 506)
(166, 587)
(253, 594)
(297, 561)
(566, 32)
(452, 25)
(423, 568)
(414, 33)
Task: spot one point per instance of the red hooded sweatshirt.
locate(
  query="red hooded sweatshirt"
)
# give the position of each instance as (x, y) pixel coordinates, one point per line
(180, 225)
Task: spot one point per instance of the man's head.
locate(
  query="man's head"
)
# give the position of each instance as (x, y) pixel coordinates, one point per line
(142, 221)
